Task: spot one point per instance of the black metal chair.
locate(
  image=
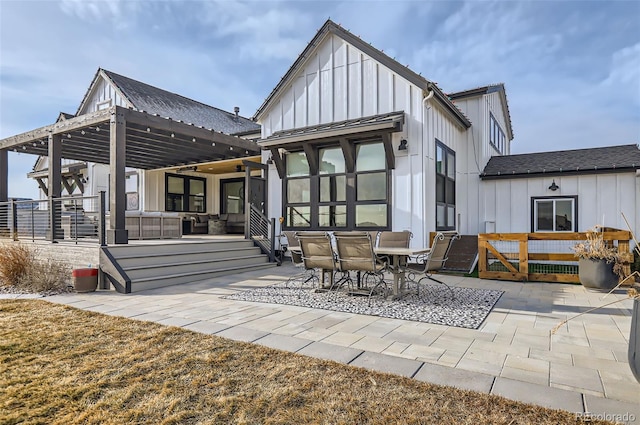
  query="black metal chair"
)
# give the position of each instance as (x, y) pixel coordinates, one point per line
(355, 253)
(434, 260)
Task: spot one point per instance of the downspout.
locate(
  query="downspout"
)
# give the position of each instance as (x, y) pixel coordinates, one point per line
(425, 146)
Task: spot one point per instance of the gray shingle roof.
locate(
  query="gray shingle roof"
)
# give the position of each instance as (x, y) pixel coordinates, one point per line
(153, 100)
(578, 161)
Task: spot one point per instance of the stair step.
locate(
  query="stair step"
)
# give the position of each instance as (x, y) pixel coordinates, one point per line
(173, 247)
(164, 259)
(187, 268)
(152, 283)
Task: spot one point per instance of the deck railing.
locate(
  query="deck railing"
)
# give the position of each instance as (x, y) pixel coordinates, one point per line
(67, 218)
(262, 232)
(544, 257)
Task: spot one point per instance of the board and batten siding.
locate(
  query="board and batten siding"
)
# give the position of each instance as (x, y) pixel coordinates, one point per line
(339, 82)
(103, 91)
(601, 200)
(472, 201)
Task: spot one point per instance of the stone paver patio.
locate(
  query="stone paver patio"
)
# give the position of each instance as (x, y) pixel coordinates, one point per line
(581, 368)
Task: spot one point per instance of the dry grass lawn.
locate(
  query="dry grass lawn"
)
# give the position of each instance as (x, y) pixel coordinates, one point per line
(60, 365)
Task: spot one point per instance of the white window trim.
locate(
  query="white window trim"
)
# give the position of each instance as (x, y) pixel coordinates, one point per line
(105, 104)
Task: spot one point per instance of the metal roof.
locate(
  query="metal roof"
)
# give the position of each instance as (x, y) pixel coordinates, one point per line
(491, 88)
(331, 27)
(391, 121)
(154, 100)
(152, 141)
(578, 161)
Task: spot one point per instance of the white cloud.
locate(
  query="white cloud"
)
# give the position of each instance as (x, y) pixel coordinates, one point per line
(625, 72)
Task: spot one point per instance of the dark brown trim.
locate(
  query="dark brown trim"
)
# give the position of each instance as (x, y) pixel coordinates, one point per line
(559, 173)
(537, 198)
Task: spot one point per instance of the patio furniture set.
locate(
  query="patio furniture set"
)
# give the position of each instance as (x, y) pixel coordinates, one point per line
(370, 255)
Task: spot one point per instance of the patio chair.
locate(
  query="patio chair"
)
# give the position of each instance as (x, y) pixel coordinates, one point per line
(355, 253)
(293, 246)
(434, 260)
(390, 239)
(317, 253)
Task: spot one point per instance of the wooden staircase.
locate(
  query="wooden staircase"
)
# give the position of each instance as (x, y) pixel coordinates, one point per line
(134, 268)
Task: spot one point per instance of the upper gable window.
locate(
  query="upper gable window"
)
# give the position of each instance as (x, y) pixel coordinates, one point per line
(105, 104)
(496, 136)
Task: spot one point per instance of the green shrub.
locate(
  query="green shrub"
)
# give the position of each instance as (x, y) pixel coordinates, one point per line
(21, 269)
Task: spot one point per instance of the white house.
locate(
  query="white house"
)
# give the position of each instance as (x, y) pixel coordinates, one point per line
(359, 141)
(351, 140)
(570, 190)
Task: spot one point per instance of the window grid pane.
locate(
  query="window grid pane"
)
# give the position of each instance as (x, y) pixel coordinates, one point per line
(370, 156)
(371, 187)
(331, 161)
(372, 215)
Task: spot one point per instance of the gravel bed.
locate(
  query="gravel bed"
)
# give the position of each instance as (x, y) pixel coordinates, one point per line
(460, 307)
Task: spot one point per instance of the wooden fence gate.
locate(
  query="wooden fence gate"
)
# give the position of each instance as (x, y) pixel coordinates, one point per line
(544, 257)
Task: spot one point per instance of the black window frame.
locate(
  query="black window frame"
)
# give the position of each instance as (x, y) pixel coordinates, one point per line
(223, 193)
(351, 196)
(446, 179)
(186, 195)
(574, 226)
(497, 138)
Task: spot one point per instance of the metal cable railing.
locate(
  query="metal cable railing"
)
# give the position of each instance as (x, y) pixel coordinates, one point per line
(262, 232)
(76, 218)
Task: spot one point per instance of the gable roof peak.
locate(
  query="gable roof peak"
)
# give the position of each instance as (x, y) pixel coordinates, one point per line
(145, 97)
(330, 27)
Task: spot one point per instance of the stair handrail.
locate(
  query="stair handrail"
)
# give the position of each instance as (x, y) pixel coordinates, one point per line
(262, 232)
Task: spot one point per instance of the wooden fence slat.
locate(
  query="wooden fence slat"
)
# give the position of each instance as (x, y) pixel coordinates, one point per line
(556, 277)
(553, 256)
(482, 257)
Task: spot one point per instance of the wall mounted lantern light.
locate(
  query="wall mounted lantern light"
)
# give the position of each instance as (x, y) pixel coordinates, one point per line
(554, 186)
(403, 145)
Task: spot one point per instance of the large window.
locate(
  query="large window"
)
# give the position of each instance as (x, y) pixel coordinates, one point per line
(554, 214)
(371, 186)
(232, 196)
(185, 193)
(332, 202)
(298, 191)
(445, 187)
(333, 198)
(496, 136)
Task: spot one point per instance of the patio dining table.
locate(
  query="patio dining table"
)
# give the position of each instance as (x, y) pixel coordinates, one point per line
(397, 254)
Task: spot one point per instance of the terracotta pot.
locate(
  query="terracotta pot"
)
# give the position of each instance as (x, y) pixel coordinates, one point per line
(597, 274)
(634, 339)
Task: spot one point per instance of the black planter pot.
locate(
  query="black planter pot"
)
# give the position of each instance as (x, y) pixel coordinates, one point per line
(597, 274)
(634, 340)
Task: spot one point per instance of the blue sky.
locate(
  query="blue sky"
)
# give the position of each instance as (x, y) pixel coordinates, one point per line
(571, 68)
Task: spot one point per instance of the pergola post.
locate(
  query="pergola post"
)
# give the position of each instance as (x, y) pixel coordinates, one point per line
(117, 233)
(55, 189)
(4, 191)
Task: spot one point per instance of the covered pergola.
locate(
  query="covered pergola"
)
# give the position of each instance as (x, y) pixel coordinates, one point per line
(122, 138)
